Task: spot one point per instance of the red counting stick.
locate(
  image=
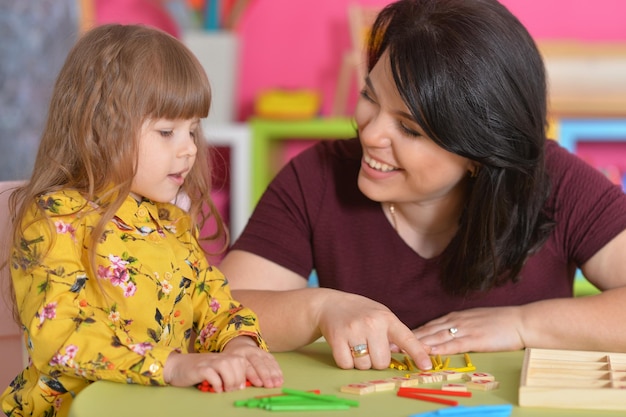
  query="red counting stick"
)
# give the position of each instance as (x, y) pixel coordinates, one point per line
(427, 398)
(412, 390)
(204, 386)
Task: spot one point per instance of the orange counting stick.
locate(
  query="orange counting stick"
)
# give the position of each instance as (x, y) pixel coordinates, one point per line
(427, 398)
(412, 390)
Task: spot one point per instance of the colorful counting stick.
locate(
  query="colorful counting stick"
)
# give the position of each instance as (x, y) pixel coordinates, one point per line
(503, 410)
(204, 386)
(295, 400)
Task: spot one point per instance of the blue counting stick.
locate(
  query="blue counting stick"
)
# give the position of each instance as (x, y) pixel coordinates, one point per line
(503, 410)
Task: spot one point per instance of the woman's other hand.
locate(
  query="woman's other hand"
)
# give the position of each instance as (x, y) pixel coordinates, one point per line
(475, 330)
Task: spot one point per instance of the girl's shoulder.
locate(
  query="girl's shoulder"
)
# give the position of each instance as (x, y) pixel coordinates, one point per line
(64, 202)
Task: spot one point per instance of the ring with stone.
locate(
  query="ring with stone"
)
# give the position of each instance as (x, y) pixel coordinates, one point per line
(359, 350)
(453, 331)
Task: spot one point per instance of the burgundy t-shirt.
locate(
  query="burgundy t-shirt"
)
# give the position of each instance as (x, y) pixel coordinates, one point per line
(313, 216)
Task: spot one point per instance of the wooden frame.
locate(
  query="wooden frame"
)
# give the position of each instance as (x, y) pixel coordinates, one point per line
(584, 78)
(573, 379)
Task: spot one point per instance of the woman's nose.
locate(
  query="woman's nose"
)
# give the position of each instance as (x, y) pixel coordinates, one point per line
(376, 132)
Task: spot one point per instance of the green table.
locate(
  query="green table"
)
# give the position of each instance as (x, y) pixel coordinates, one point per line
(311, 367)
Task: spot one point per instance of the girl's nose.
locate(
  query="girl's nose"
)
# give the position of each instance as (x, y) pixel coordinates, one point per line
(190, 148)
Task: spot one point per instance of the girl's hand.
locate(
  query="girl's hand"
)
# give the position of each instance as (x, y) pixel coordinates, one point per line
(263, 369)
(477, 330)
(347, 320)
(228, 370)
(224, 371)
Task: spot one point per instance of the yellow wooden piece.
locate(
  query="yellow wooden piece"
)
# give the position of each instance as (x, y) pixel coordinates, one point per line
(479, 376)
(449, 375)
(482, 384)
(405, 381)
(382, 384)
(360, 388)
(454, 387)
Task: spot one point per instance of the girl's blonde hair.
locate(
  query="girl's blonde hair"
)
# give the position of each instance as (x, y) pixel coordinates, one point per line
(115, 78)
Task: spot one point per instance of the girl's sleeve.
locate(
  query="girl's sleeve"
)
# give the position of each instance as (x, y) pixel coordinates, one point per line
(69, 327)
(218, 318)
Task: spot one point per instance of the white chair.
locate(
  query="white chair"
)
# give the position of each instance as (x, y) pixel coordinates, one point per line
(12, 349)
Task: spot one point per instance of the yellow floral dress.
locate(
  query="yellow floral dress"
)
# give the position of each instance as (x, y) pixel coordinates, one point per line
(151, 288)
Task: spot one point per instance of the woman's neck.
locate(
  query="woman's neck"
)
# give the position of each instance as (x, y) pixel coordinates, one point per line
(427, 228)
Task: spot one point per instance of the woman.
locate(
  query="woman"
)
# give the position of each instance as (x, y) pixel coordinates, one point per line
(451, 224)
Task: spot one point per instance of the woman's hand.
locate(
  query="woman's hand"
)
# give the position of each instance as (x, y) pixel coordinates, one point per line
(228, 370)
(477, 330)
(347, 320)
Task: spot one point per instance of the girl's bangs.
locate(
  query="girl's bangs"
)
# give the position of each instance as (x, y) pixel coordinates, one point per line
(181, 89)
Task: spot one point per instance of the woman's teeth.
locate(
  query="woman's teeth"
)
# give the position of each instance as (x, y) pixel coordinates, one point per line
(379, 166)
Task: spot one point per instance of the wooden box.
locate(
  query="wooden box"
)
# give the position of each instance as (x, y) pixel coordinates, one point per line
(573, 379)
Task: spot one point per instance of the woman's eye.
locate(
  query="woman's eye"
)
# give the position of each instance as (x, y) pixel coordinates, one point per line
(364, 93)
(408, 130)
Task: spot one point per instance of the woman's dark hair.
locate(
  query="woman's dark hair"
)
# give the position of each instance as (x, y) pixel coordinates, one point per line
(473, 79)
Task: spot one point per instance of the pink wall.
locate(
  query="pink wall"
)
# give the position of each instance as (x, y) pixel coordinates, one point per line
(299, 43)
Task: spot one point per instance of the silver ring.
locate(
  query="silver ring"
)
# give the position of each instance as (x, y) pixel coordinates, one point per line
(453, 331)
(359, 350)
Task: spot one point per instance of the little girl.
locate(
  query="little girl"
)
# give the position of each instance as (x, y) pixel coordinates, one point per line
(109, 279)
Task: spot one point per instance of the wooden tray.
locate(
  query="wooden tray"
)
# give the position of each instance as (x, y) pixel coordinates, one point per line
(573, 379)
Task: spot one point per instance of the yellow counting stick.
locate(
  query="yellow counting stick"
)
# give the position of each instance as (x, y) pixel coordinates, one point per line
(468, 361)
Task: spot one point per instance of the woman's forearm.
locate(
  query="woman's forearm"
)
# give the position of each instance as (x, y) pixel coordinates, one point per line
(582, 323)
(288, 319)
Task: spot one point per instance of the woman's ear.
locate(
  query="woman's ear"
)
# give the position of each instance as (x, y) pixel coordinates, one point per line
(474, 170)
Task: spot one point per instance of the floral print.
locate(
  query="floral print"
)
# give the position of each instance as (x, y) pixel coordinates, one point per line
(150, 289)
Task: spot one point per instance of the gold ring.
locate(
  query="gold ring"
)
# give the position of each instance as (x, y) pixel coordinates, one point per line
(359, 350)
(453, 331)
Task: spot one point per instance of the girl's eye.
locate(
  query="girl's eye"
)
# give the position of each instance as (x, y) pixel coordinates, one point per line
(166, 133)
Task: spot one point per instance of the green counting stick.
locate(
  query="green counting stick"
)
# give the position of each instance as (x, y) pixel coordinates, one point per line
(320, 397)
(307, 407)
(295, 400)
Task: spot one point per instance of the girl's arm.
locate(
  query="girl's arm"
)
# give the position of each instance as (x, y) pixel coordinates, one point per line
(224, 325)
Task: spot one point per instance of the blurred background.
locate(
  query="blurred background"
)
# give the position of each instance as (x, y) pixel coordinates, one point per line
(291, 45)
(285, 74)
